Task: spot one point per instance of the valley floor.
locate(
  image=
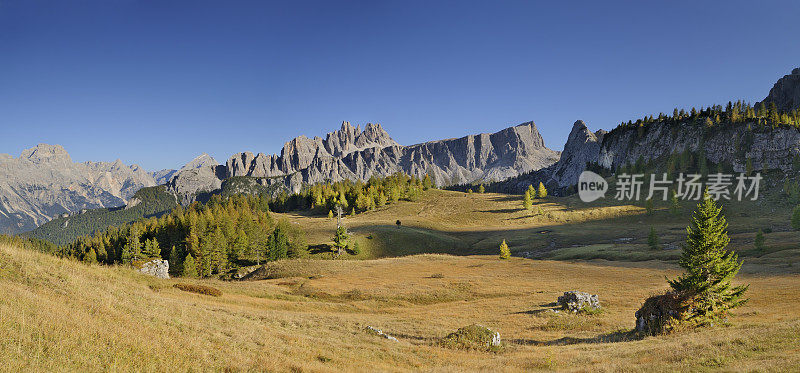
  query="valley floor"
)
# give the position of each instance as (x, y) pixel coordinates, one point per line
(59, 315)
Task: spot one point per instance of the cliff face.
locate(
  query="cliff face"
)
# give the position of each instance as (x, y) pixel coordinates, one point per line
(353, 154)
(785, 94)
(734, 144)
(44, 182)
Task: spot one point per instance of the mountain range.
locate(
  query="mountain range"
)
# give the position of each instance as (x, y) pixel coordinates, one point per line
(43, 182)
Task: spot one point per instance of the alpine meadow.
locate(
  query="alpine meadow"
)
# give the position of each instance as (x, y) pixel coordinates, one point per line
(449, 237)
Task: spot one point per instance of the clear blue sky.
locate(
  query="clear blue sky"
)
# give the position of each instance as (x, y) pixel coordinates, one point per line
(158, 82)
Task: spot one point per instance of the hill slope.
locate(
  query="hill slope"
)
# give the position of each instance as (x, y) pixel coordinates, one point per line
(62, 315)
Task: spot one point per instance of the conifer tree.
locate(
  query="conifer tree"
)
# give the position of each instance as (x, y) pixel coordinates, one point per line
(481, 189)
(91, 256)
(175, 262)
(531, 191)
(505, 253)
(340, 239)
(541, 192)
(649, 206)
(527, 203)
(709, 266)
(330, 214)
(189, 267)
(652, 239)
(759, 241)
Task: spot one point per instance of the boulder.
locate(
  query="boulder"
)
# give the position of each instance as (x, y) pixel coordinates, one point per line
(156, 267)
(577, 301)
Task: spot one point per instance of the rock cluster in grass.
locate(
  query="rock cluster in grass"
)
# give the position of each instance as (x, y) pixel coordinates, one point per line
(380, 333)
(473, 337)
(577, 301)
(156, 267)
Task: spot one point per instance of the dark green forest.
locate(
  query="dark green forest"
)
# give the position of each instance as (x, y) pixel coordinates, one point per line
(153, 201)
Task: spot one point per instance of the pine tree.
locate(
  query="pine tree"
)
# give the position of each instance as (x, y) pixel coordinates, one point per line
(541, 192)
(531, 191)
(481, 189)
(748, 167)
(709, 266)
(527, 204)
(356, 248)
(759, 241)
(151, 249)
(189, 267)
(330, 214)
(505, 253)
(649, 206)
(652, 239)
(132, 248)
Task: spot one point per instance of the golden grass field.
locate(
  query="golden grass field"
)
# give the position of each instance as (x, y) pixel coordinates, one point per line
(61, 315)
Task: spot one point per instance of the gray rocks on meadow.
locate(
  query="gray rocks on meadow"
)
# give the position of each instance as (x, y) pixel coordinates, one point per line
(156, 267)
(380, 333)
(578, 301)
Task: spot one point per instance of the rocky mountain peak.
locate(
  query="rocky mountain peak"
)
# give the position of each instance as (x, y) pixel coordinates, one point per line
(46, 153)
(786, 92)
(201, 161)
(582, 146)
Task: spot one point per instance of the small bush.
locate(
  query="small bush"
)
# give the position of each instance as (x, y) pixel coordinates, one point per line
(473, 337)
(199, 289)
(437, 275)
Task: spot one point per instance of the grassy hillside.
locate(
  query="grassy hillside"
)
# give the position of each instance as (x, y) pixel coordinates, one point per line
(62, 315)
(147, 202)
(559, 228)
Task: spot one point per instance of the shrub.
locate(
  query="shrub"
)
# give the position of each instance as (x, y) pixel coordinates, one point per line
(663, 314)
(473, 337)
(199, 289)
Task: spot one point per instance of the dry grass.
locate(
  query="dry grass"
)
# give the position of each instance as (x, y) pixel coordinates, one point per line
(199, 289)
(58, 315)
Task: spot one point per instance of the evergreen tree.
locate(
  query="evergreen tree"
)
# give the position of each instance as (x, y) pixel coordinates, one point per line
(481, 189)
(531, 191)
(649, 206)
(356, 248)
(132, 248)
(527, 204)
(652, 239)
(340, 239)
(505, 253)
(189, 267)
(748, 167)
(175, 262)
(278, 243)
(330, 214)
(709, 266)
(759, 241)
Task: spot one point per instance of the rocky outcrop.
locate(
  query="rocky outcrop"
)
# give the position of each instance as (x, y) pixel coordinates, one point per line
(156, 267)
(582, 147)
(163, 176)
(353, 154)
(202, 174)
(44, 182)
(578, 301)
(785, 94)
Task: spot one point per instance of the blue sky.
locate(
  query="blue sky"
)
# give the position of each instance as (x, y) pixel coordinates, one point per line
(158, 82)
